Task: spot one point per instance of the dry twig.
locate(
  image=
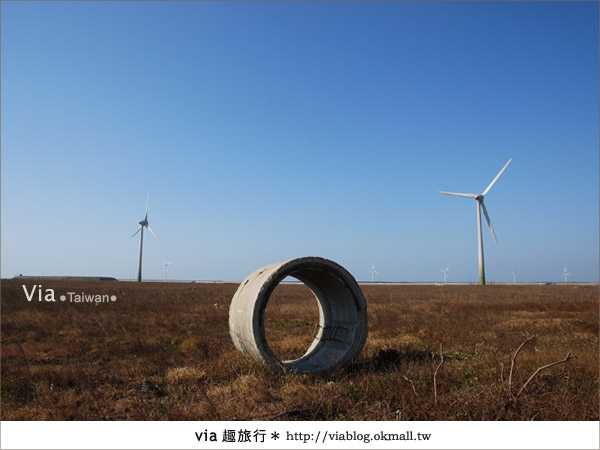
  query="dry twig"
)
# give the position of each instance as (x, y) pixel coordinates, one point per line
(566, 359)
(411, 384)
(514, 359)
(210, 403)
(435, 376)
(289, 412)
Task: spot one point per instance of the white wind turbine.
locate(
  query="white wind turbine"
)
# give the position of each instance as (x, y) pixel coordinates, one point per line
(481, 206)
(373, 272)
(167, 264)
(567, 274)
(445, 273)
(143, 223)
(514, 276)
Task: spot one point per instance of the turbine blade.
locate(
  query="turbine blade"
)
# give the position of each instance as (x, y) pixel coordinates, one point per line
(457, 193)
(152, 231)
(488, 221)
(496, 179)
(137, 231)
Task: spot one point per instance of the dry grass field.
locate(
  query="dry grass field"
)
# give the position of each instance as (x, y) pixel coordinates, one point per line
(88, 361)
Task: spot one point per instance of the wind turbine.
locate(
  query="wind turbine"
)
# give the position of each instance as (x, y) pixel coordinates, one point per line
(373, 272)
(167, 264)
(143, 223)
(514, 276)
(567, 274)
(445, 273)
(481, 206)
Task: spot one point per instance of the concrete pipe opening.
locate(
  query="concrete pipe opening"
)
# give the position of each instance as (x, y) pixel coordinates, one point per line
(342, 329)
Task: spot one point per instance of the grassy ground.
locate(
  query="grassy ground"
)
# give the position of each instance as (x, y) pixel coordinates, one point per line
(63, 361)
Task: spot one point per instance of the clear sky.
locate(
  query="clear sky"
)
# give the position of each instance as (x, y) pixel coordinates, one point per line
(266, 131)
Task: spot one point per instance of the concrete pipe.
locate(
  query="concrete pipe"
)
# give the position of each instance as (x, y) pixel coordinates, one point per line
(342, 328)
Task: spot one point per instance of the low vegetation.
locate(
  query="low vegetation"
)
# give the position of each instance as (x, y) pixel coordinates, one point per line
(163, 352)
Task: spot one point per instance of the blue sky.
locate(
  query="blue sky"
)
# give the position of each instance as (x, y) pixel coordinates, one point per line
(266, 131)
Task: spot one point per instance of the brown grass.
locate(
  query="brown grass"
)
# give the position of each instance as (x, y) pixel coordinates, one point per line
(67, 361)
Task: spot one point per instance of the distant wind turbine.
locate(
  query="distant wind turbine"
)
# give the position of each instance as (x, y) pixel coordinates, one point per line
(143, 223)
(514, 276)
(167, 264)
(481, 206)
(373, 272)
(567, 274)
(445, 273)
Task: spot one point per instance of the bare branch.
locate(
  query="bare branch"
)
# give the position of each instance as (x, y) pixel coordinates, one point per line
(502, 372)
(289, 412)
(514, 359)
(210, 403)
(435, 375)
(100, 324)
(411, 384)
(566, 359)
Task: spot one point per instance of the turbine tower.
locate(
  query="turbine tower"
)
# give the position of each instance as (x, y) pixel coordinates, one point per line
(445, 273)
(514, 276)
(143, 223)
(373, 272)
(480, 207)
(167, 264)
(567, 274)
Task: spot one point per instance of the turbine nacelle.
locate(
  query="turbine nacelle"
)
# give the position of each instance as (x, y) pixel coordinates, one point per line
(143, 223)
(481, 207)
